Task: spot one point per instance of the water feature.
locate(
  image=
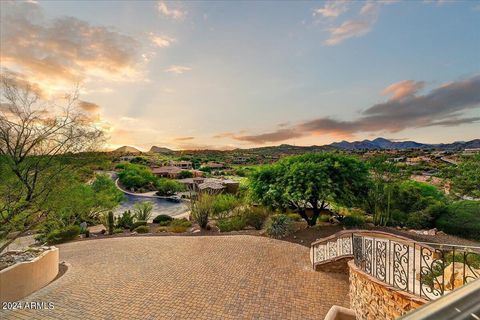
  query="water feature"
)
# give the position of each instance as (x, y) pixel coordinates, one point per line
(160, 206)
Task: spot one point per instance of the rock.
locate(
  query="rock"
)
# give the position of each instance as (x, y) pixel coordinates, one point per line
(441, 233)
(432, 232)
(398, 228)
(196, 231)
(453, 276)
(294, 237)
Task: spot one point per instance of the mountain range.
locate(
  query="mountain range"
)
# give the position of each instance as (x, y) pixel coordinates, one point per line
(376, 144)
(384, 144)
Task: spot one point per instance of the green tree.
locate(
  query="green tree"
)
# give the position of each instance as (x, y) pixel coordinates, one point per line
(384, 177)
(168, 187)
(310, 181)
(32, 144)
(466, 177)
(185, 174)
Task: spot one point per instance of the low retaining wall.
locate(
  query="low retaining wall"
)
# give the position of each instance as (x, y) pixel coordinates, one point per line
(372, 299)
(22, 279)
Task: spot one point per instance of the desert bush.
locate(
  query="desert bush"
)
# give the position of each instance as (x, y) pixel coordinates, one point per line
(202, 209)
(255, 216)
(137, 224)
(294, 216)
(125, 221)
(234, 223)
(461, 218)
(354, 220)
(324, 218)
(117, 230)
(176, 226)
(278, 226)
(142, 229)
(223, 204)
(64, 234)
(162, 218)
(143, 210)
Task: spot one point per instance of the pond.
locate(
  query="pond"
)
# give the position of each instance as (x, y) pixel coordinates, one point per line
(160, 206)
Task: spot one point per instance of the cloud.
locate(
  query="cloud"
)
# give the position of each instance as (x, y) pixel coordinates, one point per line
(184, 138)
(177, 69)
(361, 24)
(88, 106)
(442, 106)
(164, 10)
(129, 119)
(348, 29)
(54, 53)
(161, 41)
(404, 88)
(332, 9)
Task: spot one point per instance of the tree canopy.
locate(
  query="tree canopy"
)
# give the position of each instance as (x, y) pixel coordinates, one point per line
(310, 181)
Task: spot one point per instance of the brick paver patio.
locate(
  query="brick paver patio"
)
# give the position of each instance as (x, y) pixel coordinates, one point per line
(225, 277)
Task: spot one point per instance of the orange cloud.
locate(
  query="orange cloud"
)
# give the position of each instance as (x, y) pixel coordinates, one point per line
(89, 106)
(54, 53)
(402, 89)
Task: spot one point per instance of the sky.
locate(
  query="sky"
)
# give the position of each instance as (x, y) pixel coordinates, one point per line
(241, 74)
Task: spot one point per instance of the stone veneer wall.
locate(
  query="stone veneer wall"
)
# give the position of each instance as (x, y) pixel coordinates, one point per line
(372, 299)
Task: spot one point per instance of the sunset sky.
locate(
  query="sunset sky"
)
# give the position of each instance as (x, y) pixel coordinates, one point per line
(188, 75)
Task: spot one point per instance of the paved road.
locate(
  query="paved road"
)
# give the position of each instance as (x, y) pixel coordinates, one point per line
(225, 277)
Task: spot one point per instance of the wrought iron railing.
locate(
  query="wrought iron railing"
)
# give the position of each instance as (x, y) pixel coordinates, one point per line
(428, 270)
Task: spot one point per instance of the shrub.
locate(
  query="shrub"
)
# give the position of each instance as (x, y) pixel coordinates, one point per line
(137, 224)
(118, 230)
(125, 221)
(181, 222)
(323, 218)
(202, 208)
(143, 210)
(354, 220)
(142, 229)
(223, 204)
(294, 216)
(255, 217)
(234, 223)
(176, 226)
(461, 218)
(278, 226)
(64, 234)
(162, 218)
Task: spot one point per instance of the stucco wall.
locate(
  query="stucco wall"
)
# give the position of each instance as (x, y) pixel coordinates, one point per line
(372, 299)
(22, 279)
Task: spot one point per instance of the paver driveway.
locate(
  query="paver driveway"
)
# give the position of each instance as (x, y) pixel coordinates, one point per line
(224, 277)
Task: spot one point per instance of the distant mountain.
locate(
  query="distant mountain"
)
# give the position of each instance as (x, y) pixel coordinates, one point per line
(384, 144)
(127, 149)
(160, 150)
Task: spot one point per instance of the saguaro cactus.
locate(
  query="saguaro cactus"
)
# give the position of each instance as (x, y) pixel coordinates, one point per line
(110, 222)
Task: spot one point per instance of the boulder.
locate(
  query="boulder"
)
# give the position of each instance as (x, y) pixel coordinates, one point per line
(453, 276)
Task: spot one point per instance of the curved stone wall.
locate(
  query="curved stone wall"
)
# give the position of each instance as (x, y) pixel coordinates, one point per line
(22, 279)
(372, 299)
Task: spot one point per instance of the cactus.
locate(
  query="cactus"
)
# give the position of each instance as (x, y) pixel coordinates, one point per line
(110, 222)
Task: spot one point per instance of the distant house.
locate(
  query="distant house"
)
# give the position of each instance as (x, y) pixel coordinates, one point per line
(417, 160)
(211, 185)
(166, 171)
(214, 165)
(185, 165)
(471, 151)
